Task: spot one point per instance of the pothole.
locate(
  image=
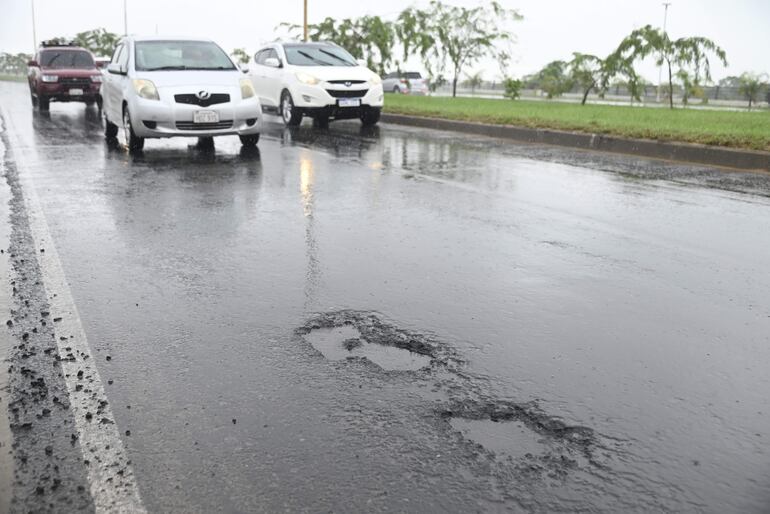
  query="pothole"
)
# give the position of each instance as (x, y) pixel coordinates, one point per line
(346, 341)
(512, 439)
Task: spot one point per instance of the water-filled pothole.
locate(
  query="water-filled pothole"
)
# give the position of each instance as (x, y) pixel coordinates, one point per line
(343, 342)
(512, 438)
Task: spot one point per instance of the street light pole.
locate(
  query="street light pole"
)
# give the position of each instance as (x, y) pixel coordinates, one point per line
(34, 29)
(125, 18)
(660, 68)
(305, 23)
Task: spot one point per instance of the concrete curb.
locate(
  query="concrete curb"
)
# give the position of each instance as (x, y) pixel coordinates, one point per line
(668, 150)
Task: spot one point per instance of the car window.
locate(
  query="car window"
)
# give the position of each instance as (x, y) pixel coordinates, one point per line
(116, 55)
(413, 75)
(123, 57)
(180, 55)
(66, 59)
(318, 55)
(272, 54)
(260, 57)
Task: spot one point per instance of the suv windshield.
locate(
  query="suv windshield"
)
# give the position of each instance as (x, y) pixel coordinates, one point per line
(318, 55)
(180, 55)
(66, 59)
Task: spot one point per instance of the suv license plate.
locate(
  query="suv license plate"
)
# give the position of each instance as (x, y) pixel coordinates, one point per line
(205, 117)
(76, 92)
(349, 102)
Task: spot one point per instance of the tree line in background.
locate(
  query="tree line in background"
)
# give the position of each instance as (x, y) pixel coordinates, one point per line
(448, 40)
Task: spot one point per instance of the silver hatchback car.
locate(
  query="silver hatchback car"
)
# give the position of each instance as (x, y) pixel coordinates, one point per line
(407, 83)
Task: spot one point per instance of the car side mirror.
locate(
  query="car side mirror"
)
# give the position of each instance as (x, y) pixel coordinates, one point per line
(99, 64)
(116, 69)
(272, 62)
(362, 62)
(32, 63)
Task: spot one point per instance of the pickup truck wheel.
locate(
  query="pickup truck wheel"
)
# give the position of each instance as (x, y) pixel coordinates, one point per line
(249, 140)
(291, 116)
(43, 102)
(33, 98)
(133, 142)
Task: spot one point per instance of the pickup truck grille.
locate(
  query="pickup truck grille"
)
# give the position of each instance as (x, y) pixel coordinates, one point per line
(191, 99)
(189, 125)
(347, 93)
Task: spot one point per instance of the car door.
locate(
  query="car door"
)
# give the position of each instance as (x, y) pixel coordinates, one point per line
(111, 87)
(273, 77)
(257, 73)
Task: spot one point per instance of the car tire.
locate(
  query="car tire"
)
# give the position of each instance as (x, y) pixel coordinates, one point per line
(249, 140)
(99, 102)
(396, 90)
(43, 103)
(205, 143)
(291, 116)
(133, 142)
(321, 122)
(370, 116)
(33, 98)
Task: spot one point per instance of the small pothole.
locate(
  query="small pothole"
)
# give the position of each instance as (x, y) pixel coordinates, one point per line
(346, 341)
(512, 438)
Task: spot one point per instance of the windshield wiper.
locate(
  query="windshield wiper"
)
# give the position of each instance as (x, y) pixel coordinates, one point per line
(323, 63)
(165, 68)
(214, 68)
(348, 63)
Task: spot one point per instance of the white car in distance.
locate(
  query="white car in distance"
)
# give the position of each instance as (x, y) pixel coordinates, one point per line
(318, 80)
(166, 87)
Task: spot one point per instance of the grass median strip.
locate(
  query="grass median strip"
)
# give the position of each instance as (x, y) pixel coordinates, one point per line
(737, 129)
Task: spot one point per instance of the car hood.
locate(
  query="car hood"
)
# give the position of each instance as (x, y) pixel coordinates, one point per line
(327, 73)
(192, 78)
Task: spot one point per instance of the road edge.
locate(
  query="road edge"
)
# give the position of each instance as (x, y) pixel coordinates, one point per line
(723, 157)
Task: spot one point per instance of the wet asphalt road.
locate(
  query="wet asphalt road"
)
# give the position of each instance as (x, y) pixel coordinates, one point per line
(597, 327)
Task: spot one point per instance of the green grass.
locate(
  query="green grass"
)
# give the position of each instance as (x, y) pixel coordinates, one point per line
(720, 128)
(13, 78)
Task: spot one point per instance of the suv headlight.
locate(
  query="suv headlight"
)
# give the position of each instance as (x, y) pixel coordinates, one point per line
(308, 79)
(375, 80)
(49, 78)
(96, 78)
(146, 89)
(247, 90)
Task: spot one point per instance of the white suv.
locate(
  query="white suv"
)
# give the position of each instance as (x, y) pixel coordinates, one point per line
(319, 80)
(162, 87)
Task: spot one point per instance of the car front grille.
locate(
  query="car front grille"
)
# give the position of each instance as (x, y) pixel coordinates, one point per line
(347, 93)
(345, 82)
(191, 99)
(76, 82)
(189, 125)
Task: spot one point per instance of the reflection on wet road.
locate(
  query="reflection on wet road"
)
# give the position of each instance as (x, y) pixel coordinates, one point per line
(557, 330)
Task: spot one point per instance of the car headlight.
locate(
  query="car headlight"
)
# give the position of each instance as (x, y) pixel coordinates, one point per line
(96, 78)
(247, 90)
(146, 89)
(50, 78)
(375, 80)
(307, 79)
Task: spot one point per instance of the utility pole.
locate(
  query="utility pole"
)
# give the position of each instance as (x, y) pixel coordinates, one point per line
(34, 29)
(660, 68)
(305, 23)
(125, 17)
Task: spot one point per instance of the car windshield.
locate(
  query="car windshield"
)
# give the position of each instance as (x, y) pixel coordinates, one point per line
(413, 75)
(180, 55)
(66, 59)
(318, 55)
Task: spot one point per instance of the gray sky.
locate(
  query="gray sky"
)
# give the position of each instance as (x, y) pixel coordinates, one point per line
(551, 29)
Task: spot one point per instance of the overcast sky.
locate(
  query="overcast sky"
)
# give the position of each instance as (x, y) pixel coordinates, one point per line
(551, 29)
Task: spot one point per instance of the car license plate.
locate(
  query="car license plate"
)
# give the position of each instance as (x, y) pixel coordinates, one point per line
(205, 117)
(76, 92)
(349, 102)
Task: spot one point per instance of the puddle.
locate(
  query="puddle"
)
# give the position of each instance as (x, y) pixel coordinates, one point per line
(343, 342)
(511, 438)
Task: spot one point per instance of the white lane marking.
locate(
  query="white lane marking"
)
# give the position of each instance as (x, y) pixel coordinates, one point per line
(110, 476)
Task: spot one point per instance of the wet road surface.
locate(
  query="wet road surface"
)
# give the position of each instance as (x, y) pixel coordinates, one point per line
(397, 320)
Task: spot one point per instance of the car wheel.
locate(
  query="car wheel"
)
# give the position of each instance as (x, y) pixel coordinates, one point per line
(370, 116)
(291, 116)
(205, 143)
(133, 142)
(249, 140)
(43, 102)
(99, 102)
(110, 129)
(396, 90)
(33, 98)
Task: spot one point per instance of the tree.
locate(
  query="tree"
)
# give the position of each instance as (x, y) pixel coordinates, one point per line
(688, 54)
(474, 81)
(240, 56)
(512, 88)
(553, 79)
(99, 41)
(444, 34)
(751, 85)
(14, 64)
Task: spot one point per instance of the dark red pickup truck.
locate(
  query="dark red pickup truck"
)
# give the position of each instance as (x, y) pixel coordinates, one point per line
(64, 74)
